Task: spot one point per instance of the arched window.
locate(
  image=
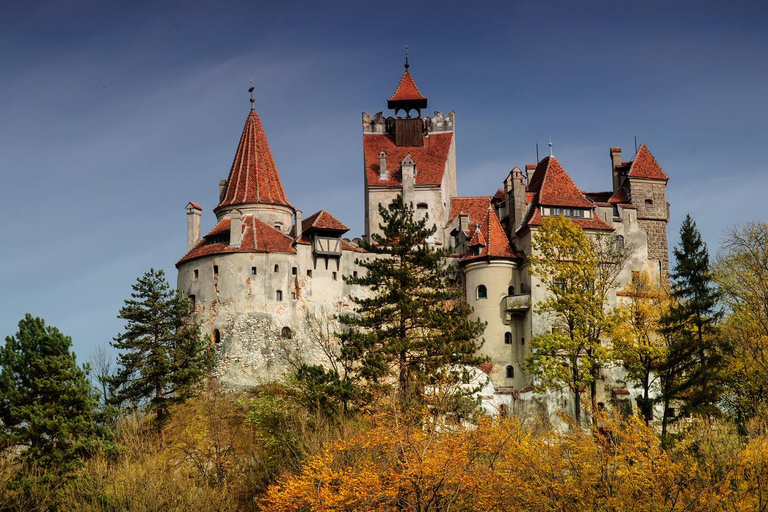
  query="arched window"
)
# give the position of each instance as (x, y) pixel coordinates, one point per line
(277, 268)
(216, 336)
(286, 333)
(511, 290)
(482, 292)
(620, 241)
(508, 338)
(510, 372)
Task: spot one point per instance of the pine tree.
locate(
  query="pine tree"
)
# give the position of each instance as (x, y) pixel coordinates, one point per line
(47, 406)
(162, 354)
(414, 330)
(692, 372)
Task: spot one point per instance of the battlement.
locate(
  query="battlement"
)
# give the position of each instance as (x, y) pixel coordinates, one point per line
(438, 123)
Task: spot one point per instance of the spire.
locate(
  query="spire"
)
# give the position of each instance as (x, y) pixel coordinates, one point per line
(253, 178)
(406, 58)
(407, 95)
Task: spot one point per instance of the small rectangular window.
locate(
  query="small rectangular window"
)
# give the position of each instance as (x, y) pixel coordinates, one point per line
(522, 341)
(293, 295)
(192, 303)
(309, 273)
(294, 271)
(510, 372)
(354, 273)
(334, 276)
(194, 275)
(215, 270)
(253, 271)
(279, 295)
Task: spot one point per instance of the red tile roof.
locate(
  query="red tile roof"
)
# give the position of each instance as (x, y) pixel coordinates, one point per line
(257, 236)
(553, 186)
(195, 206)
(254, 177)
(430, 159)
(490, 235)
(499, 194)
(323, 220)
(407, 90)
(319, 220)
(620, 196)
(598, 197)
(644, 165)
(473, 207)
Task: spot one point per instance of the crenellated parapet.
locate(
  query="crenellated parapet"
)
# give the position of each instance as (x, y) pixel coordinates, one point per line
(438, 123)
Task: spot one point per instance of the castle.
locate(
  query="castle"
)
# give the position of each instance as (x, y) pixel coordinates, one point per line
(266, 282)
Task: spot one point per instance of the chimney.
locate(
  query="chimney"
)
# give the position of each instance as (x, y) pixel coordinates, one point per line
(297, 224)
(463, 222)
(236, 228)
(519, 207)
(382, 165)
(222, 189)
(194, 213)
(409, 173)
(615, 163)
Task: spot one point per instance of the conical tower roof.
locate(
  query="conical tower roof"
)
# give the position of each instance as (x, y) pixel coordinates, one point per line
(253, 178)
(407, 90)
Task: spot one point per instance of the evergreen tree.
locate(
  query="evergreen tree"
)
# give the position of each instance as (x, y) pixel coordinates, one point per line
(162, 354)
(414, 327)
(414, 330)
(692, 371)
(47, 406)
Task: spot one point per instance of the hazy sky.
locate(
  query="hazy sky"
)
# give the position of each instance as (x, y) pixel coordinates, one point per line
(113, 118)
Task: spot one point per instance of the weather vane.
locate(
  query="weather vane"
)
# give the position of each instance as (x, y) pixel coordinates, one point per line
(251, 91)
(550, 145)
(406, 57)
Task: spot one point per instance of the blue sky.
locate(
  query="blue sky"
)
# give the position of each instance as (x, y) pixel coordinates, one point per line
(115, 115)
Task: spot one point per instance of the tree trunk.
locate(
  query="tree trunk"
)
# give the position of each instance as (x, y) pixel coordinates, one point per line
(664, 422)
(593, 397)
(647, 409)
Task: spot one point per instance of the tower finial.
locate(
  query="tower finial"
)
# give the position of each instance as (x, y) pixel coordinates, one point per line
(550, 145)
(406, 58)
(251, 91)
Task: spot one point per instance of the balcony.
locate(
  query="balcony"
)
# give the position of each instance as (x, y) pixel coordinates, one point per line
(517, 304)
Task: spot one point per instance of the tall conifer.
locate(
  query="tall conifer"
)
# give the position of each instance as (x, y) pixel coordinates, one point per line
(692, 372)
(414, 330)
(162, 354)
(47, 407)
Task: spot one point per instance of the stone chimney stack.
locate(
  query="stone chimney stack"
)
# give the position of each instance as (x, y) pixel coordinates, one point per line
(236, 228)
(222, 189)
(409, 176)
(463, 222)
(297, 223)
(194, 212)
(615, 163)
(382, 165)
(517, 212)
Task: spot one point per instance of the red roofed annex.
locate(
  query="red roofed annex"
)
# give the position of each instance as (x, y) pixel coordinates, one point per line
(265, 274)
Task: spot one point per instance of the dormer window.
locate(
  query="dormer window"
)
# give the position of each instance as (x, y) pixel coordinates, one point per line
(568, 212)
